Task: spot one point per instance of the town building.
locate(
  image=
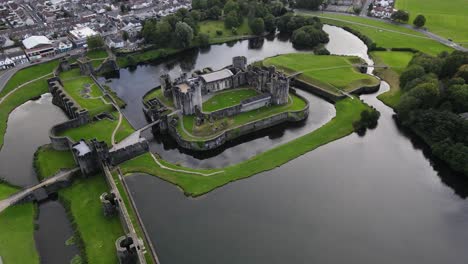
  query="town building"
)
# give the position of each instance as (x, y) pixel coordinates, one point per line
(79, 35)
(5, 62)
(17, 55)
(115, 42)
(64, 46)
(37, 47)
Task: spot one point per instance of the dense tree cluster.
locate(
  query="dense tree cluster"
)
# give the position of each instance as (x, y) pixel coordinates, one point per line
(400, 16)
(308, 4)
(368, 120)
(435, 92)
(309, 37)
(95, 42)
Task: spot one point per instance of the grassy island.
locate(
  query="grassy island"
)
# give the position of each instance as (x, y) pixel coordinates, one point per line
(333, 73)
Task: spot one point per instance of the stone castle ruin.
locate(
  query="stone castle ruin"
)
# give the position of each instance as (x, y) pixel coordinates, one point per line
(187, 93)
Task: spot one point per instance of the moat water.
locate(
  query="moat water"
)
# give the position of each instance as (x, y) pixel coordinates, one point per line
(379, 198)
(28, 129)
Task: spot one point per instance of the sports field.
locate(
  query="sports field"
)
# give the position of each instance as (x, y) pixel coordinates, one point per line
(445, 18)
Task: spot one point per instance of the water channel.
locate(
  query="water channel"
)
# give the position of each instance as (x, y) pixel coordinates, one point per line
(377, 198)
(28, 129)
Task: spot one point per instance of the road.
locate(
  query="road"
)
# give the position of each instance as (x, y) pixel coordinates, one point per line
(25, 192)
(427, 34)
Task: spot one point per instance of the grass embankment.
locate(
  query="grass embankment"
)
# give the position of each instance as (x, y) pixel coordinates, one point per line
(333, 73)
(29, 74)
(210, 130)
(101, 130)
(97, 57)
(211, 27)
(228, 98)
(397, 62)
(347, 111)
(48, 161)
(95, 233)
(157, 93)
(17, 230)
(446, 18)
(384, 34)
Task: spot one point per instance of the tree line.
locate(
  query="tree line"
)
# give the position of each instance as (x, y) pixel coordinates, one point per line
(435, 93)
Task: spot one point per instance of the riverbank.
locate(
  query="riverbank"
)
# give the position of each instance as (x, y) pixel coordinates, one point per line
(197, 182)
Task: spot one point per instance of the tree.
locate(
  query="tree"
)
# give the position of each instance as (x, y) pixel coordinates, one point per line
(163, 34)
(231, 6)
(309, 37)
(419, 21)
(257, 26)
(213, 13)
(183, 34)
(410, 73)
(463, 72)
(308, 4)
(125, 35)
(400, 16)
(203, 39)
(270, 23)
(199, 4)
(231, 20)
(95, 42)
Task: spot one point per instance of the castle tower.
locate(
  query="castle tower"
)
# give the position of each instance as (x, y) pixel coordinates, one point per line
(239, 62)
(279, 89)
(187, 95)
(109, 204)
(126, 250)
(166, 84)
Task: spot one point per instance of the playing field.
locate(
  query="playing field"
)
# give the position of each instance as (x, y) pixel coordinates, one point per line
(227, 99)
(446, 18)
(332, 73)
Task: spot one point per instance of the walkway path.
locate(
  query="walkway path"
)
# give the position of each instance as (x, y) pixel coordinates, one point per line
(427, 34)
(184, 171)
(25, 192)
(19, 86)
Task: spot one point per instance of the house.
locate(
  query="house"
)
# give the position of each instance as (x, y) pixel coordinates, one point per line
(37, 47)
(64, 46)
(79, 35)
(17, 55)
(115, 42)
(5, 62)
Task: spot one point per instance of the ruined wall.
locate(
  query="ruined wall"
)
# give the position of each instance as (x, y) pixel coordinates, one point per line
(61, 99)
(129, 152)
(256, 104)
(231, 134)
(65, 143)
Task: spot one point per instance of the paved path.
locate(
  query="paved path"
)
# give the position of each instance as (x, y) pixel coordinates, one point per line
(25, 192)
(19, 86)
(6, 76)
(427, 34)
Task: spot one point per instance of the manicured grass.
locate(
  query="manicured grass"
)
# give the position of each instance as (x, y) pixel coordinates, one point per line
(332, 73)
(6, 190)
(227, 99)
(205, 131)
(96, 63)
(74, 87)
(17, 98)
(96, 54)
(384, 34)
(101, 130)
(17, 234)
(397, 61)
(49, 161)
(28, 74)
(446, 18)
(97, 232)
(157, 93)
(211, 26)
(348, 111)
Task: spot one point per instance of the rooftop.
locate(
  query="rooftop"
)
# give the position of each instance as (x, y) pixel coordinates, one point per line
(34, 41)
(82, 148)
(217, 75)
(82, 32)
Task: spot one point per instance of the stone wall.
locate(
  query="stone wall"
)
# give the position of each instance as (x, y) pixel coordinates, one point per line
(61, 99)
(65, 143)
(231, 134)
(129, 152)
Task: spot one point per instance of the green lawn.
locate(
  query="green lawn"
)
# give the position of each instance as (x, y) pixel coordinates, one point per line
(101, 130)
(205, 131)
(228, 98)
(49, 161)
(348, 111)
(96, 54)
(211, 26)
(157, 93)
(97, 232)
(332, 72)
(18, 98)
(397, 62)
(448, 19)
(384, 34)
(28, 74)
(146, 56)
(17, 234)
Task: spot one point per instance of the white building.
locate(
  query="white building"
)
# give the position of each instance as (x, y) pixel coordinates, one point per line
(64, 46)
(80, 34)
(17, 55)
(37, 47)
(115, 42)
(6, 62)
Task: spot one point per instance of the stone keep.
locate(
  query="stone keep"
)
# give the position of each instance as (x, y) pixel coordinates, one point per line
(279, 89)
(187, 95)
(126, 250)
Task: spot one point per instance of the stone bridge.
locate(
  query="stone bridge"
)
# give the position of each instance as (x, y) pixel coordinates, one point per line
(29, 193)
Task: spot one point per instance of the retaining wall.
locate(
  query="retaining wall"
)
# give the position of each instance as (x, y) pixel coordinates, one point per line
(129, 152)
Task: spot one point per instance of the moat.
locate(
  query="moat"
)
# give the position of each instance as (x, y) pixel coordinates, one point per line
(375, 198)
